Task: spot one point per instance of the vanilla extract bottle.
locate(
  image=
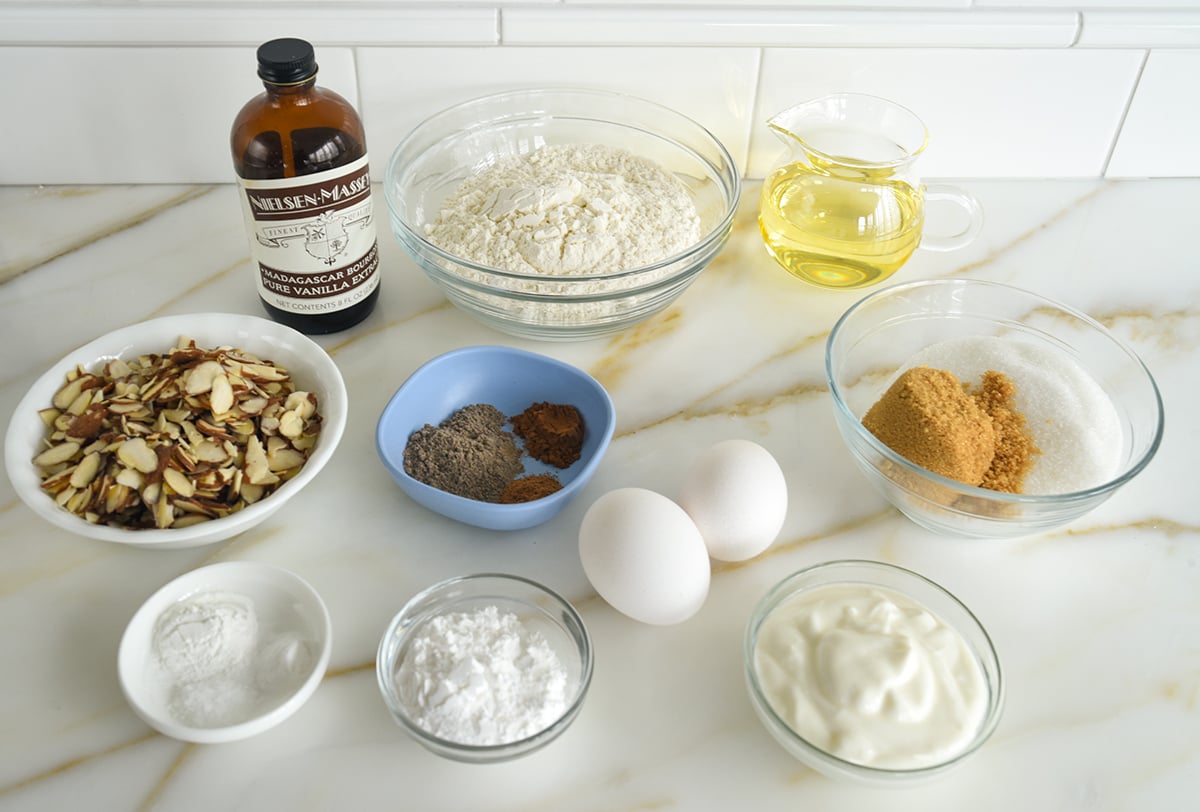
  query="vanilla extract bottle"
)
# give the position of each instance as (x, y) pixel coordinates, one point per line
(300, 155)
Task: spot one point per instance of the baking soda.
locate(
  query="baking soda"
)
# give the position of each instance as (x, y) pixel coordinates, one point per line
(1071, 418)
(481, 678)
(221, 667)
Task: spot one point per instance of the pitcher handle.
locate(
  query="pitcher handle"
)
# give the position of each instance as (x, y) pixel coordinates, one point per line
(967, 202)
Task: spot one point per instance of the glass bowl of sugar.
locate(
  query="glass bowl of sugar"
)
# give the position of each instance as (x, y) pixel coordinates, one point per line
(485, 668)
(561, 214)
(983, 410)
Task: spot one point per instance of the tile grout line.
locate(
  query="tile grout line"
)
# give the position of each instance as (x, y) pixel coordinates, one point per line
(1137, 81)
(751, 114)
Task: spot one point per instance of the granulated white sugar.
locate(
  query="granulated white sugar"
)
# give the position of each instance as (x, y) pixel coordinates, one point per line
(1072, 419)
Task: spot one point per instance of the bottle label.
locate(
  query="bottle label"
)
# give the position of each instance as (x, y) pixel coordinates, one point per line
(313, 238)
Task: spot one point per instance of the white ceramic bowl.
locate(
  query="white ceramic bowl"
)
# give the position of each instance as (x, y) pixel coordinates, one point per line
(283, 602)
(310, 366)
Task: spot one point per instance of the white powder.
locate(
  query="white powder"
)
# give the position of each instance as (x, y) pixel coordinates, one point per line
(568, 210)
(221, 668)
(481, 678)
(1071, 418)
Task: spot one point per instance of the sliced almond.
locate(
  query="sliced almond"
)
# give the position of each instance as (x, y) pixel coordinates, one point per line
(221, 398)
(257, 468)
(201, 377)
(178, 483)
(135, 453)
(56, 454)
(85, 471)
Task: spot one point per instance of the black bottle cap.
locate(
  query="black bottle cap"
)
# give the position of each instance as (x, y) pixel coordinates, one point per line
(286, 61)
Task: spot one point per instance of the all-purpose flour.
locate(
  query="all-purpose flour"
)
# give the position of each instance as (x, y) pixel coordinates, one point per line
(481, 678)
(568, 210)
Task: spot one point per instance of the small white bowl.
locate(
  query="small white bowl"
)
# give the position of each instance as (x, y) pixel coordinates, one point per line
(311, 369)
(283, 602)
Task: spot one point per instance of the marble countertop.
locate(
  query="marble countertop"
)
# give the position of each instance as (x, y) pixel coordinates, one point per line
(1097, 625)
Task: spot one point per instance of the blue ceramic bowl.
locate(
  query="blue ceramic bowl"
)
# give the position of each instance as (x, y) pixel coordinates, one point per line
(511, 380)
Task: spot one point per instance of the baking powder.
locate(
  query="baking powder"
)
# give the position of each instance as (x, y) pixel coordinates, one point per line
(481, 678)
(220, 667)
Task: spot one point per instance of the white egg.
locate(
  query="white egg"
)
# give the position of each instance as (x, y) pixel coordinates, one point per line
(736, 494)
(644, 556)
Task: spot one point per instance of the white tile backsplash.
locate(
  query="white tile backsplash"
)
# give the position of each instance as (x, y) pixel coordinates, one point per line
(788, 27)
(1087, 4)
(1009, 88)
(246, 24)
(1158, 139)
(714, 86)
(991, 113)
(132, 115)
(1140, 29)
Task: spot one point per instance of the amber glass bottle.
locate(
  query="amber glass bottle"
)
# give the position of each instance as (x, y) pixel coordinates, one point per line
(301, 161)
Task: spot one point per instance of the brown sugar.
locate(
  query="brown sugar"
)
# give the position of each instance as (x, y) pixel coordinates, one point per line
(976, 437)
(1015, 449)
(553, 433)
(928, 418)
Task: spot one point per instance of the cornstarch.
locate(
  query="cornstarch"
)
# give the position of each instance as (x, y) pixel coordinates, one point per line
(568, 210)
(481, 678)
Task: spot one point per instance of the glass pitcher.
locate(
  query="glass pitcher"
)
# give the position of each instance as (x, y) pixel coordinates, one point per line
(845, 209)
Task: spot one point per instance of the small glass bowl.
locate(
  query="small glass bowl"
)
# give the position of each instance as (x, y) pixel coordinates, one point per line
(540, 609)
(876, 336)
(897, 579)
(447, 148)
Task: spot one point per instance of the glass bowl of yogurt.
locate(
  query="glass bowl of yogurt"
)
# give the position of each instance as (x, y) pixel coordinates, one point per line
(870, 673)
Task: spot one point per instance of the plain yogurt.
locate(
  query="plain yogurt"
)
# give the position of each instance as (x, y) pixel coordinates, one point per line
(871, 676)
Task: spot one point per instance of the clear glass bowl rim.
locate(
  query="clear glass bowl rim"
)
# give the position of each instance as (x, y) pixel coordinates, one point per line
(726, 174)
(970, 490)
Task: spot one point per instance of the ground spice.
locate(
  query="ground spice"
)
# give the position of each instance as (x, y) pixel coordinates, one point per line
(976, 437)
(468, 454)
(553, 433)
(530, 488)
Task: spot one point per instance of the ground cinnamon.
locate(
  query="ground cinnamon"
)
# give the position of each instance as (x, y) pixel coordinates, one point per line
(553, 433)
(530, 488)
